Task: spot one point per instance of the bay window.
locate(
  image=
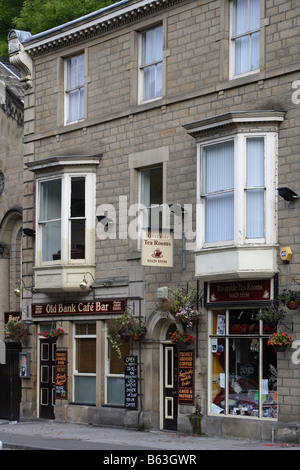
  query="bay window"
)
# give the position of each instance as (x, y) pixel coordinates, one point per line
(65, 221)
(255, 187)
(50, 218)
(236, 194)
(62, 214)
(223, 166)
(218, 191)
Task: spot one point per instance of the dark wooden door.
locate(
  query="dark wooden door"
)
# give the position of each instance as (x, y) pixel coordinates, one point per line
(170, 388)
(10, 383)
(47, 378)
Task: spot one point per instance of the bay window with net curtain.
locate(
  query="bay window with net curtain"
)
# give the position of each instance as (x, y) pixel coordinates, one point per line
(233, 187)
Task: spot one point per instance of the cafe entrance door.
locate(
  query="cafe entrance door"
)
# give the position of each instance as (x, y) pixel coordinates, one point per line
(170, 387)
(47, 378)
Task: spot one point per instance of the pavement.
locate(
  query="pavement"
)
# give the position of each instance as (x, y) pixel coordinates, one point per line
(53, 435)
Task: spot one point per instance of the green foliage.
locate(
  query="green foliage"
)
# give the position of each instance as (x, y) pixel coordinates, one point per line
(40, 15)
(16, 330)
(36, 16)
(270, 315)
(126, 325)
(8, 10)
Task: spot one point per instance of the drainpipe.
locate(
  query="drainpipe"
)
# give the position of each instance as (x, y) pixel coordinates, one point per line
(140, 371)
(197, 351)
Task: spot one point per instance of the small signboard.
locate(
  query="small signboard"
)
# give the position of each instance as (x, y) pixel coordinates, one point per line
(92, 307)
(157, 248)
(61, 376)
(185, 377)
(16, 316)
(131, 385)
(239, 291)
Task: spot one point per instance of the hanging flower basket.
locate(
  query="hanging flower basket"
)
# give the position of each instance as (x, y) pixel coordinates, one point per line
(125, 326)
(16, 330)
(181, 340)
(292, 305)
(290, 298)
(52, 334)
(280, 341)
(280, 348)
(270, 315)
(187, 316)
(136, 337)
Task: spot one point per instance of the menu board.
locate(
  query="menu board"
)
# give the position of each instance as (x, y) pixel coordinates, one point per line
(131, 385)
(61, 376)
(185, 377)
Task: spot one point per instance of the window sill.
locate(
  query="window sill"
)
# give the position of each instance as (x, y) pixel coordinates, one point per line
(111, 405)
(59, 278)
(244, 262)
(75, 403)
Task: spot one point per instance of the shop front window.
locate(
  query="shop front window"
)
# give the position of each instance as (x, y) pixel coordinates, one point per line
(115, 384)
(85, 363)
(243, 367)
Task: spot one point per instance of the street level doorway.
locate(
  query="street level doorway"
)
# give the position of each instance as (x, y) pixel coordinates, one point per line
(47, 378)
(10, 382)
(170, 387)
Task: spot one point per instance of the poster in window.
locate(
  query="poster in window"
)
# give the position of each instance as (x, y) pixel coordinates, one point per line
(185, 377)
(61, 376)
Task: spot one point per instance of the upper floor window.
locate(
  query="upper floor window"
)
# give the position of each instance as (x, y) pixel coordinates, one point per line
(151, 196)
(236, 178)
(220, 164)
(245, 36)
(64, 217)
(74, 89)
(151, 64)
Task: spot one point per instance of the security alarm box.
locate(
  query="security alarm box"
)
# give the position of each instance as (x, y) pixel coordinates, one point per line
(286, 254)
(163, 292)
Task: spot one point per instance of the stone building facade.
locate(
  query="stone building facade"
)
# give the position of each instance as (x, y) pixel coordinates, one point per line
(187, 106)
(11, 188)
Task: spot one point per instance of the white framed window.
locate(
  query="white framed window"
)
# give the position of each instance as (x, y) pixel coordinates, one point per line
(114, 373)
(74, 89)
(65, 218)
(151, 196)
(236, 190)
(245, 37)
(151, 64)
(236, 214)
(85, 363)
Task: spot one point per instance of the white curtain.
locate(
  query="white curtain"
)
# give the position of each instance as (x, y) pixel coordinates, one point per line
(218, 190)
(152, 55)
(50, 218)
(255, 192)
(246, 24)
(75, 87)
